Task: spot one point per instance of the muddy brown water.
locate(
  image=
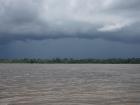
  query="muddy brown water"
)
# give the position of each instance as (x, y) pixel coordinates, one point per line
(69, 84)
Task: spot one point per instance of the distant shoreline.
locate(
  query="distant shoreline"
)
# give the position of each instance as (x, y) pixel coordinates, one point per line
(73, 61)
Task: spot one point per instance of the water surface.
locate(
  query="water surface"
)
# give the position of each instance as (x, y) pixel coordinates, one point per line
(68, 84)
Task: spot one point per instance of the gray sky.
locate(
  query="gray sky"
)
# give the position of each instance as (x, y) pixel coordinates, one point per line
(70, 28)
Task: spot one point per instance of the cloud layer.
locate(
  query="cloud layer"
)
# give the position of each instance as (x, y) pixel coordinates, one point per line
(116, 20)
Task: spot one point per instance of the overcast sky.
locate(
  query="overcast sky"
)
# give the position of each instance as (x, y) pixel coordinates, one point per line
(69, 28)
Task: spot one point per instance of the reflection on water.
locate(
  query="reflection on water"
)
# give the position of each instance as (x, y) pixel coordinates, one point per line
(25, 84)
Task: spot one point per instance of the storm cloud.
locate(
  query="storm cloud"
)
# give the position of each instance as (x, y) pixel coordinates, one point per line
(115, 20)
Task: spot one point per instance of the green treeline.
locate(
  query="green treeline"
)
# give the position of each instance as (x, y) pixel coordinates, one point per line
(74, 61)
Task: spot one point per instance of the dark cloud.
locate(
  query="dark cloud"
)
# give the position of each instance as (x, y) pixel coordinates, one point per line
(114, 20)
